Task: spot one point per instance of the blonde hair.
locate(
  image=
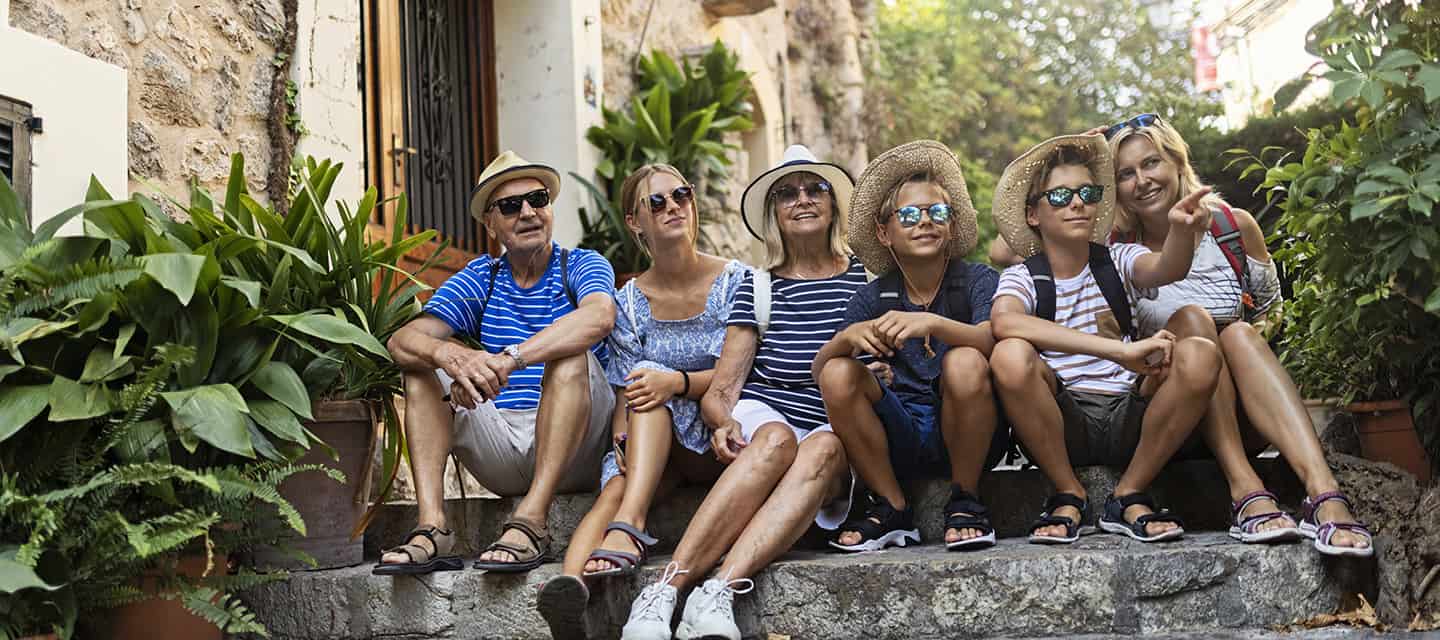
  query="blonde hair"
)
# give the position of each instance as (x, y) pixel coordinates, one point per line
(887, 206)
(633, 200)
(775, 253)
(1176, 151)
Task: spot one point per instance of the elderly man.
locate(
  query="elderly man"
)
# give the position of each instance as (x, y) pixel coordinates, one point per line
(528, 413)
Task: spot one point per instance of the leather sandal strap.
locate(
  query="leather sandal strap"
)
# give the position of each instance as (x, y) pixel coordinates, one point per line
(1327, 530)
(618, 558)
(537, 534)
(641, 539)
(407, 550)
(1237, 507)
(1312, 503)
(1250, 523)
(1058, 500)
(521, 554)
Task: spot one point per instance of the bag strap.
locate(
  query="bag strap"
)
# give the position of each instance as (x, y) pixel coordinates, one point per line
(1226, 231)
(565, 277)
(762, 300)
(1108, 277)
(1044, 280)
(489, 287)
(892, 291)
(957, 291)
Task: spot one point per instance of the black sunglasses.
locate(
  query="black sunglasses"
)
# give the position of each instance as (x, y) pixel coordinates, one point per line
(1142, 120)
(1061, 196)
(910, 216)
(788, 195)
(681, 195)
(511, 206)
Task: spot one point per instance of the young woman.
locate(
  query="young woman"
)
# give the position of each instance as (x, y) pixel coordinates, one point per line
(668, 331)
(769, 421)
(1233, 280)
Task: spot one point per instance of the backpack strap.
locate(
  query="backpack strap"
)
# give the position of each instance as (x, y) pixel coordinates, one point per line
(1108, 277)
(489, 287)
(1118, 236)
(1044, 280)
(892, 291)
(762, 300)
(1226, 231)
(957, 291)
(565, 277)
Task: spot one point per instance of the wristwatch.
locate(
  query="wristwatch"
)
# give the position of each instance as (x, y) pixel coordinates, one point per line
(514, 352)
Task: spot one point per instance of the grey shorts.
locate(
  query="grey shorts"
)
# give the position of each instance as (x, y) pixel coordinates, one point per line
(1101, 429)
(498, 445)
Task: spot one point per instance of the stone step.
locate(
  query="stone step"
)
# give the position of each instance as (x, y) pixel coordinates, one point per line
(1194, 489)
(1104, 585)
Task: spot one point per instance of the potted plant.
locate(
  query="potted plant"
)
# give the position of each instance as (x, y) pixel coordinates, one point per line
(1359, 208)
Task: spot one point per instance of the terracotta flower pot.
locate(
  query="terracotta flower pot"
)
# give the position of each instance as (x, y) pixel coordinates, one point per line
(330, 509)
(1387, 434)
(159, 618)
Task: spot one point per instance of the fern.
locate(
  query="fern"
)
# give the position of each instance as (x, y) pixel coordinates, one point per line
(222, 610)
(164, 533)
(81, 281)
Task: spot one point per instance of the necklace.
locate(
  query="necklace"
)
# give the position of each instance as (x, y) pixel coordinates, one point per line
(800, 275)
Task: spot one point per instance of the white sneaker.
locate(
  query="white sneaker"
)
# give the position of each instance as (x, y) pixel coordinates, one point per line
(710, 611)
(651, 612)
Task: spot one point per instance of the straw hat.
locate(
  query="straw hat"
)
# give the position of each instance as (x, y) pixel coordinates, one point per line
(886, 171)
(509, 166)
(1014, 186)
(796, 158)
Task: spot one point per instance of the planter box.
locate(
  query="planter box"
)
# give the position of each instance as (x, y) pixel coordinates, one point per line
(1387, 434)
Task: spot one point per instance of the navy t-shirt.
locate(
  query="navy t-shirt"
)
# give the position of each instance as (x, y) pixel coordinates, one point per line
(914, 371)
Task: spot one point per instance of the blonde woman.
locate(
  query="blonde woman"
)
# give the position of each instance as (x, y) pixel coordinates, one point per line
(1231, 281)
(769, 421)
(667, 336)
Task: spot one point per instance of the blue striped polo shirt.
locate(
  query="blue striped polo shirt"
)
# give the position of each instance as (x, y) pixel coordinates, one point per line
(514, 313)
(804, 314)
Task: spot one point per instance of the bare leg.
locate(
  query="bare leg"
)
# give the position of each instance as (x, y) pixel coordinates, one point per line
(428, 425)
(1276, 411)
(565, 394)
(967, 420)
(733, 501)
(788, 511)
(1026, 387)
(1173, 413)
(647, 454)
(591, 530)
(850, 392)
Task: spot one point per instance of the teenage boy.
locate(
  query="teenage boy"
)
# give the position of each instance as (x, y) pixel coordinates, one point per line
(925, 320)
(1077, 387)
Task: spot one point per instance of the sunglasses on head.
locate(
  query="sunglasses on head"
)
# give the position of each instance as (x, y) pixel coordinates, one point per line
(788, 195)
(1142, 120)
(682, 195)
(1061, 196)
(910, 216)
(511, 205)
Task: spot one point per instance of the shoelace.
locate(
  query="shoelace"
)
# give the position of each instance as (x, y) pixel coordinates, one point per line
(648, 606)
(727, 590)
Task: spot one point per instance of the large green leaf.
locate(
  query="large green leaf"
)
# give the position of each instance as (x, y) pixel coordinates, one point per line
(20, 405)
(279, 420)
(103, 365)
(249, 288)
(177, 272)
(213, 413)
(332, 329)
(15, 576)
(71, 400)
(280, 382)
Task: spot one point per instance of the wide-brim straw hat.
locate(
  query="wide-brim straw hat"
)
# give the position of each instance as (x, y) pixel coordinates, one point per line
(883, 174)
(796, 159)
(1014, 186)
(504, 168)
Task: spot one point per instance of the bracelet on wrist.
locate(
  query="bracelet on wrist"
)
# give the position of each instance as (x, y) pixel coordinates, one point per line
(686, 390)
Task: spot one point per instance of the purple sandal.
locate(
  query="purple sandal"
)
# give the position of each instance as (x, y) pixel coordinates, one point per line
(1247, 529)
(1323, 533)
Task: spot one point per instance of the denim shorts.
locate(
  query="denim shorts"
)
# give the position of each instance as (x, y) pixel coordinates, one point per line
(917, 447)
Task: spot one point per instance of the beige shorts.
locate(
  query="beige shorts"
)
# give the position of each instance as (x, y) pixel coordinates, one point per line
(498, 445)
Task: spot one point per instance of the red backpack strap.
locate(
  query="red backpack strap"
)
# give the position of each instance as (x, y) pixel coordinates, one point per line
(1227, 235)
(1118, 236)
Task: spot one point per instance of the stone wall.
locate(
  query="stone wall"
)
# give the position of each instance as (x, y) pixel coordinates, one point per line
(199, 79)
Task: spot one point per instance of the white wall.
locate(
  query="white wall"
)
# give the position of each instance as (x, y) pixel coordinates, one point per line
(546, 52)
(330, 102)
(83, 104)
(1261, 52)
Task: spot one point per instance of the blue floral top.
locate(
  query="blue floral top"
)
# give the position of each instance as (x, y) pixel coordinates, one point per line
(639, 341)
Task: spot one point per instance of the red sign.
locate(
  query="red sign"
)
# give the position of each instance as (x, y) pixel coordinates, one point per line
(1205, 47)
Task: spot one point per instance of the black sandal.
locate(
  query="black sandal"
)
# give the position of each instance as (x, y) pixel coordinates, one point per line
(624, 563)
(438, 560)
(1073, 529)
(894, 527)
(965, 511)
(526, 558)
(1113, 519)
(562, 603)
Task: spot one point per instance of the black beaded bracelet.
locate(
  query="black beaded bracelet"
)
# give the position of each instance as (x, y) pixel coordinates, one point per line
(686, 391)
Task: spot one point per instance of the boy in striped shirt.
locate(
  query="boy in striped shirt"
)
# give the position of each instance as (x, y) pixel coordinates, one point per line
(1077, 387)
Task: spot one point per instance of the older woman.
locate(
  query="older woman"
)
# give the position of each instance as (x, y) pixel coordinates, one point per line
(769, 421)
(667, 337)
(1231, 280)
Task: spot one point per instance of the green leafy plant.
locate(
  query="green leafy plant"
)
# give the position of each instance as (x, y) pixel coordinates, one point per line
(679, 116)
(1359, 212)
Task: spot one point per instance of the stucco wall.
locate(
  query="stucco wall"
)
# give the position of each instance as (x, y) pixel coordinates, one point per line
(1261, 52)
(331, 105)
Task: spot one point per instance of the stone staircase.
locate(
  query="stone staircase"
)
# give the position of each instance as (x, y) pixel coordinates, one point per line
(1206, 585)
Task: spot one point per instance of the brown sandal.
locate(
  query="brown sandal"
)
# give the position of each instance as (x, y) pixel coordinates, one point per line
(441, 540)
(526, 558)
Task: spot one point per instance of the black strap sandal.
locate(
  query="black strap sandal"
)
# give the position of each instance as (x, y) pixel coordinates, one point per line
(1073, 529)
(882, 526)
(422, 560)
(965, 511)
(526, 557)
(623, 563)
(1113, 518)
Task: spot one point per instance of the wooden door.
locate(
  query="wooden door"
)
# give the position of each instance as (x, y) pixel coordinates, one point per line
(430, 119)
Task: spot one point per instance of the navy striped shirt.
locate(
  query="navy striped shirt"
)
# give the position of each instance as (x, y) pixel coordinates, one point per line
(804, 314)
(514, 314)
